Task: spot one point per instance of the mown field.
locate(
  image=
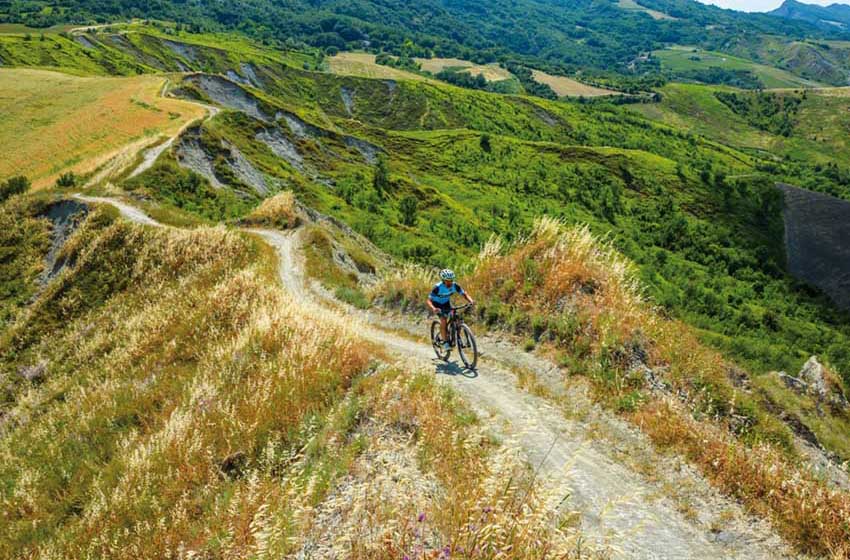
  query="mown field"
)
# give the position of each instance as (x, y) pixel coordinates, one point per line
(683, 59)
(567, 87)
(54, 122)
(364, 66)
(491, 72)
(631, 5)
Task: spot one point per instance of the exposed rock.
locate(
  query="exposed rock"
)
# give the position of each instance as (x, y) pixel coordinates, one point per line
(368, 150)
(301, 129)
(65, 216)
(246, 172)
(190, 153)
(234, 77)
(84, 41)
(123, 44)
(34, 373)
(817, 227)
(249, 72)
(189, 52)
(792, 382)
(391, 86)
(812, 375)
(282, 147)
(347, 100)
(230, 95)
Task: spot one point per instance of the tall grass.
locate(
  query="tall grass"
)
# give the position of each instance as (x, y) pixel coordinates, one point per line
(188, 408)
(279, 211)
(580, 299)
(172, 401)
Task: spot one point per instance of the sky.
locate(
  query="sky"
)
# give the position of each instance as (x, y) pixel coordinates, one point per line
(763, 5)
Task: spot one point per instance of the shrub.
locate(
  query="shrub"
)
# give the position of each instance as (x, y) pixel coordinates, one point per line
(13, 186)
(67, 180)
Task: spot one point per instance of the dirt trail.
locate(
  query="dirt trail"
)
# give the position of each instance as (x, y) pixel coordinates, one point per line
(620, 511)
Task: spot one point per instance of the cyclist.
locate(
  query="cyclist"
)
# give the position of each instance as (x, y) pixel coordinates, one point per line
(439, 301)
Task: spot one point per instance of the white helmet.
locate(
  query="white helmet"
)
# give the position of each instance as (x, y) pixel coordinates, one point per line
(447, 274)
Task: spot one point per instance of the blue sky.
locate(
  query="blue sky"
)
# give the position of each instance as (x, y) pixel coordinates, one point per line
(762, 5)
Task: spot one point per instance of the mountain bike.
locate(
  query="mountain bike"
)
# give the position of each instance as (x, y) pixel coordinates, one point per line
(460, 335)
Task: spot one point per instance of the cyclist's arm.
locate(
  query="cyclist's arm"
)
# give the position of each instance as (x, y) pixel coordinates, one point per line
(430, 302)
(465, 295)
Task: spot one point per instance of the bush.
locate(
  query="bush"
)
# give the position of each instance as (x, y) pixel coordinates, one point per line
(13, 186)
(67, 180)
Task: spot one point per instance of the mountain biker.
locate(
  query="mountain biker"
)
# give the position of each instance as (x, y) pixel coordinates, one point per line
(439, 301)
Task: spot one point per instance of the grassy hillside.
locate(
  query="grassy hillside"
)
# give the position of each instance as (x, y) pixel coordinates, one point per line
(577, 299)
(814, 147)
(56, 123)
(696, 215)
(697, 64)
(163, 393)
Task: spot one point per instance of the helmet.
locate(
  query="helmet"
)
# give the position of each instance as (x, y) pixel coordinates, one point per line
(447, 274)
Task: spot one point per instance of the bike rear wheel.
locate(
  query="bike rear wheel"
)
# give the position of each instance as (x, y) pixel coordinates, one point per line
(436, 343)
(467, 347)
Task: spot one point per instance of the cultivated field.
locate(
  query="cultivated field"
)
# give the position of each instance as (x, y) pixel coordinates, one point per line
(634, 6)
(54, 122)
(682, 59)
(364, 65)
(491, 72)
(567, 87)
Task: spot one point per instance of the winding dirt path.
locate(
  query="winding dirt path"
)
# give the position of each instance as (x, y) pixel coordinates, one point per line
(621, 512)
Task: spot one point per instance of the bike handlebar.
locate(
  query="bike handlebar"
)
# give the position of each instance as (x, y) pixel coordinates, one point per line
(461, 307)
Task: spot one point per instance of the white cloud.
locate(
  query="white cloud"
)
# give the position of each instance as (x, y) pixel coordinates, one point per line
(761, 5)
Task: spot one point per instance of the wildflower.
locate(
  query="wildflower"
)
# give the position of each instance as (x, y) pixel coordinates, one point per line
(421, 517)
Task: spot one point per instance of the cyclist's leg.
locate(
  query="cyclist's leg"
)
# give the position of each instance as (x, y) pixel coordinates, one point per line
(445, 309)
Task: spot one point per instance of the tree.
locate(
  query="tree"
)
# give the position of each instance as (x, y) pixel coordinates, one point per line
(13, 186)
(381, 180)
(485, 143)
(67, 180)
(408, 207)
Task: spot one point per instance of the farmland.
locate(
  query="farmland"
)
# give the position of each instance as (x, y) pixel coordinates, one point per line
(567, 87)
(631, 5)
(55, 122)
(363, 65)
(491, 72)
(680, 60)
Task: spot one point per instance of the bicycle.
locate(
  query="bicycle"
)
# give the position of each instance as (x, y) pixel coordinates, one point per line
(460, 335)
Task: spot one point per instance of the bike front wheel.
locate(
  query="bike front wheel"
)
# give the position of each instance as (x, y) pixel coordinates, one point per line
(467, 347)
(436, 343)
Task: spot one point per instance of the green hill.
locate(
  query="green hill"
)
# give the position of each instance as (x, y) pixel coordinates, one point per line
(244, 406)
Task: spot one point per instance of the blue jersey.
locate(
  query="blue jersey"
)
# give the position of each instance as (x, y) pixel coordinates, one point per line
(442, 294)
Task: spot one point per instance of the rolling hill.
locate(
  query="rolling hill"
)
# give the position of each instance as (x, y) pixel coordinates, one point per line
(834, 15)
(218, 350)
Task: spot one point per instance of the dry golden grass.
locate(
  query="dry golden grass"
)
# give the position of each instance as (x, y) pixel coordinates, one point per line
(581, 299)
(167, 410)
(190, 408)
(567, 87)
(491, 72)
(278, 211)
(82, 122)
(463, 495)
(655, 14)
(364, 65)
